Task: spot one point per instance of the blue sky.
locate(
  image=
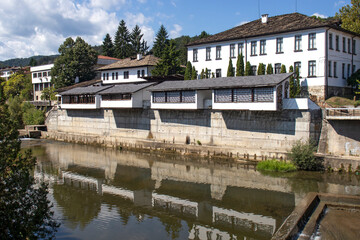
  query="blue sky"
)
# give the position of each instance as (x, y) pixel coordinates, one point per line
(38, 27)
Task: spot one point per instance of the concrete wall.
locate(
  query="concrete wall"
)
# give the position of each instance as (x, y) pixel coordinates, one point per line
(241, 132)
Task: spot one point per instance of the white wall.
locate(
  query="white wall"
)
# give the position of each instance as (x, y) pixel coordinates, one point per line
(38, 69)
(132, 75)
(117, 104)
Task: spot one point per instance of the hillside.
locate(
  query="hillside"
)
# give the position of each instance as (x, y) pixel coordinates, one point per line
(41, 60)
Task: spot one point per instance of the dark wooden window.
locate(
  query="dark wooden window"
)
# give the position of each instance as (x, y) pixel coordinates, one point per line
(116, 97)
(330, 69)
(262, 47)
(142, 73)
(298, 40)
(218, 52)
(312, 41)
(331, 41)
(232, 50)
(297, 65)
(126, 74)
(138, 73)
(337, 44)
(195, 55)
(279, 45)
(34, 75)
(218, 72)
(253, 48)
(208, 53)
(343, 70)
(241, 48)
(277, 68)
(312, 69)
(344, 44)
(335, 69)
(349, 45)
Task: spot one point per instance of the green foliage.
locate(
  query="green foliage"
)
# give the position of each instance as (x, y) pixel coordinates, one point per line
(138, 44)
(230, 71)
(31, 115)
(275, 166)
(302, 155)
(19, 84)
(202, 74)
(291, 69)
(77, 59)
(193, 73)
(207, 75)
(297, 90)
(121, 43)
(32, 62)
(283, 69)
(25, 210)
(261, 69)
(350, 16)
(161, 40)
(188, 71)
(108, 46)
(354, 79)
(269, 69)
(169, 63)
(240, 65)
(248, 71)
(48, 94)
(16, 111)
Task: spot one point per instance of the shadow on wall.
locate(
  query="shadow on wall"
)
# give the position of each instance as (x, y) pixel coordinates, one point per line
(86, 113)
(283, 122)
(201, 118)
(347, 128)
(132, 119)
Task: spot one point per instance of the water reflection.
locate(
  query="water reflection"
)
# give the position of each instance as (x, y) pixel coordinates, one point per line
(171, 198)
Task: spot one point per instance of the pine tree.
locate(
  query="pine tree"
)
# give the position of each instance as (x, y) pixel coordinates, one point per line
(202, 74)
(108, 46)
(297, 83)
(207, 75)
(161, 40)
(230, 71)
(193, 74)
(138, 45)
(291, 69)
(32, 62)
(188, 71)
(248, 71)
(269, 69)
(261, 69)
(240, 65)
(283, 69)
(169, 63)
(122, 41)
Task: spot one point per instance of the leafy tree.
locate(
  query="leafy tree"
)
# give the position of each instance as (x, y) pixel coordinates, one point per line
(202, 74)
(31, 115)
(121, 43)
(77, 59)
(108, 46)
(261, 69)
(269, 69)
(248, 71)
(32, 62)
(19, 84)
(302, 155)
(48, 94)
(203, 34)
(193, 73)
(283, 69)
(138, 45)
(240, 65)
(350, 16)
(25, 210)
(169, 63)
(161, 40)
(230, 71)
(353, 80)
(188, 71)
(16, 111)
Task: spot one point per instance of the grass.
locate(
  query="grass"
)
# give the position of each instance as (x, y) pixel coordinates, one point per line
(343, 101)
(275, 166)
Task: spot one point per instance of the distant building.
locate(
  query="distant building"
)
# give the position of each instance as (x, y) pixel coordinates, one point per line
(7, 72)
(41, 79)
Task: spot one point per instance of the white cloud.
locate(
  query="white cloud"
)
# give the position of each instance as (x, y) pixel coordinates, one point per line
(108, 4)
(242, 23)
(339, 4)
(133, 19)
(319, 15)
(176, 31)
(173, 3)
(142, 1)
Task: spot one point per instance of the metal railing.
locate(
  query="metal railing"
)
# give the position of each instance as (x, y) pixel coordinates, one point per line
(343, 112)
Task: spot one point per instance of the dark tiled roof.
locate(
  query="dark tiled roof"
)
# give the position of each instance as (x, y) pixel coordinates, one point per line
(277, 24)
(148, 60)
(81, 84)
(93, 89)
(125, 88)
(225, 82)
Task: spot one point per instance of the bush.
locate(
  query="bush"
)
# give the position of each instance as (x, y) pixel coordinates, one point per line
(31, 115)
(275, 166)
(302, 155)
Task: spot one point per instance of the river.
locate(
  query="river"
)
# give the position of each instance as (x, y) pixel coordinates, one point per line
(103, 193)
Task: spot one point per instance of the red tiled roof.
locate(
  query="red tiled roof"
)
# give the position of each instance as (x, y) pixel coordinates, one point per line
(106, 57)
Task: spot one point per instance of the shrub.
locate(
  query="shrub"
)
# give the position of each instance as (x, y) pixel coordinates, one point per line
(302, 155)
(31, 115)
(275, 166)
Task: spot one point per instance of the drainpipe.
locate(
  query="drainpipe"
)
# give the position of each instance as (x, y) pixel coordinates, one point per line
(326, 64)
(352, 55)
(245, 52)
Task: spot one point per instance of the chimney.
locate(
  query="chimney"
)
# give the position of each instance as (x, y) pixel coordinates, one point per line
(264, 18)
(139, 56)
(77, 80)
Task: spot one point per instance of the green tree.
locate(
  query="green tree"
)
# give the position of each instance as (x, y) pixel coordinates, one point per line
(269, 69)
(48, 94)
(350, 16)
(138, 44)
(169, 63)
(25, 210)
(16, 111)
(297, 83)
(353, 79)
(291, 69)
(230, 71)
(19, 84)
(261, 69)
(202, 74)
(122, 41)
(240, 65)
(188, 71)
(108, 46)
(193, 73)
(283, 69)
(32, 62)
(302, 155)
(248, 71)
(161, 40)
(31, 115)
(77, 59)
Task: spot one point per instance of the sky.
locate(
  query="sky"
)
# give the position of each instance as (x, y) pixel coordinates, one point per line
(38, 27)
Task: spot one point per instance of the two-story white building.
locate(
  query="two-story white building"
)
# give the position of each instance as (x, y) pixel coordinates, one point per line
(7, 72)
(325, 53)
(41, 79)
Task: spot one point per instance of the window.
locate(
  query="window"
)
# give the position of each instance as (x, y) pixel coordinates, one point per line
(46, 85)
(116, 75)
(348, 70)
(195, 55)
(218, 73)
(174, 97)
(142, 73)
(104, 76)
(253, 70)
(107, 76)
(39, 74)
(353, 69)
(312, 69)
(298, 39)
(223, 95)
(335, 69)
(349, 45)
(208, 73)
(263, 47)
(218, 52)
(277, 68)
(116, 97)
(113, 76)
(298, 66)
(232, 50)
(343, 70)
(344, 44)
(208, 53)
(138, 73)
(159, 97)
(44, 74)
(242, 95)
(331, 41)
(188, 96)
(253, 48)
(36, 86)
(279, 45)
(329, 69)
(126, 74)
(337, 43)
(354, 46)
(34, 75)
(263, 94)
(41, 86)
(241, 48)
(312, 41)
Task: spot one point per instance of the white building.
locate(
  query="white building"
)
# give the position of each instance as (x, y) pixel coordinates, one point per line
(7, 72)
(325, 54)
(41, 79)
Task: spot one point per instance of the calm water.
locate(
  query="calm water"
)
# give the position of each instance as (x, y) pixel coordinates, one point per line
(101, 193)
